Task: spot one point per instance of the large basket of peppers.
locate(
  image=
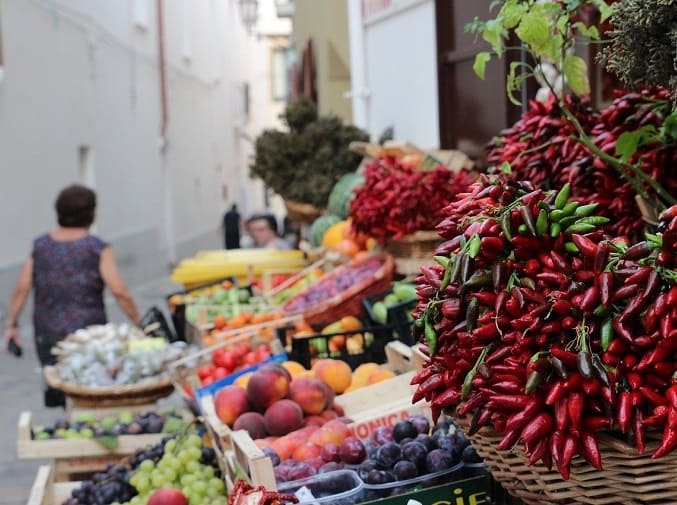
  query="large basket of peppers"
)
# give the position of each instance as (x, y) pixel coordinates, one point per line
(554, 345)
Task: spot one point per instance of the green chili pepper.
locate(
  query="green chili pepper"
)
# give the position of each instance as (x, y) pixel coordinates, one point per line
(456, 268)
(607, 333)
(595, 220)
(430, 336)
(533, 381)
(542, 223)
(568, 221)
(555, 230)
(467, 382)
(570, 208)
(472, 313)
(581, 228)
(446, 279)
(506, 224)
(523, 230)
(563, 196)
(585, 210)
(570, 247)
(474, 246)
(557, 215)
(441, 260)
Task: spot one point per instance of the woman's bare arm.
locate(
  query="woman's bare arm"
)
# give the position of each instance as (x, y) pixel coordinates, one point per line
(21, 292)
(109, 272)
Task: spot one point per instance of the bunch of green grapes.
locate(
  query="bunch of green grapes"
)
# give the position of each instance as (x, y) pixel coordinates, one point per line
(180, 468)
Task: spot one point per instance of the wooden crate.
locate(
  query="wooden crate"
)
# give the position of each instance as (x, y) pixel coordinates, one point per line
(399, 357)
(73, 410)
(45, 491)
(75, 456)
(240, 457)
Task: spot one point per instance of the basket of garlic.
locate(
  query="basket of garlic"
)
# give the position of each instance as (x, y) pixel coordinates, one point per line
(112, 365)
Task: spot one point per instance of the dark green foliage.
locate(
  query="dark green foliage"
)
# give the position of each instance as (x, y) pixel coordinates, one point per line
(643, 49)
(305, 163)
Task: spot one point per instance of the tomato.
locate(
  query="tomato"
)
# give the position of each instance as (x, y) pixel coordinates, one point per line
(241, 350)
(250, 358)
(205, 371)
(219, 373)
(207, 381)
(262, 353)
(226, 359)
(220, 322)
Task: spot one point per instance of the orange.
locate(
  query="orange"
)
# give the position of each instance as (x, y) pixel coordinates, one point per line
(336, 233)
(350, 323)
(346, 247)
(237, 321)
(294, 368)
(220, 322)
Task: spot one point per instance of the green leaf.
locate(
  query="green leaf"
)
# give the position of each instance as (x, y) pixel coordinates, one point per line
(575, 71)
(514, 81)
(553, 49)
(511, 14)
(480, 65)
(109, 442)
(493, 34)
(590, 32)
(605, 9)
(669, 128)
(627, 144)
(534, 30)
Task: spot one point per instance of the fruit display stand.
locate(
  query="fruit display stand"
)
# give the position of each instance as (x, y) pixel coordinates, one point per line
(45, 491)
(74, 456)
(381, 404)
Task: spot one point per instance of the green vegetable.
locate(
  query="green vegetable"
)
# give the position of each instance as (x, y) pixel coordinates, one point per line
(404, 292)
(342, 194)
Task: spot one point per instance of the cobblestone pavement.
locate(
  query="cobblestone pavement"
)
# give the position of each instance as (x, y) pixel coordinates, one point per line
(21, 386)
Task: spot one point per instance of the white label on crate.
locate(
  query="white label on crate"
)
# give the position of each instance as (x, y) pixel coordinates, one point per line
(304, 495)
(414, 502)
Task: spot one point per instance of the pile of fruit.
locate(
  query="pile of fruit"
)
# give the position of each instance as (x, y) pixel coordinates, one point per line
(224, 292)
(109, 355)
(277, 400)
(542, 148)
(394, 459)
(343, 336)
(222, 324)
(397, 199)
(539, 325)
(177, 468)
(299, 285)
(227, 360)
(402, 294)
(86, 425)
(333, 284)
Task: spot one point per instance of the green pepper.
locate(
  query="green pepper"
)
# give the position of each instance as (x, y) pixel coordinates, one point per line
(555, 230)
(570, 247)
(581, 228)
(563, 196)
(585, 210)
(607, 333)
(506, 224)
(595, 220)
(474, 246)
(441, 260)
(570, 208)
(542, 222)
(430, 336)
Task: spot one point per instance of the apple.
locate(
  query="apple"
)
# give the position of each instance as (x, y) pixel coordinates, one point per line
(167, 496)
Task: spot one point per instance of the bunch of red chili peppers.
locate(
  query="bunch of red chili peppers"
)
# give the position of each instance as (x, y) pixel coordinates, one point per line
(542, 148)
(537, 324)
(397, 200)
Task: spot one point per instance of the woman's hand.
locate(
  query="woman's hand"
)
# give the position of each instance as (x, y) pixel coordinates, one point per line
(12, 333)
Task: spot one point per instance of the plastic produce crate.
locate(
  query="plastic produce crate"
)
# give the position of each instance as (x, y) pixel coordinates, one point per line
(398, 319)
(305, 349)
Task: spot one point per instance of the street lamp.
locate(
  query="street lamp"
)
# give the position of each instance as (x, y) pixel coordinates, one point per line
(249, 13)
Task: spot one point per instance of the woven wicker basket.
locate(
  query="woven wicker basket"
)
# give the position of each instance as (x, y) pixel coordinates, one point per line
(301, 213)
(110, 396)
(413, 251)
(628, 478)
(349, 303)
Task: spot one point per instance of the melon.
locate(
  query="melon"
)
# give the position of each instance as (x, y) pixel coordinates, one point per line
(320, 227)
(342, 194)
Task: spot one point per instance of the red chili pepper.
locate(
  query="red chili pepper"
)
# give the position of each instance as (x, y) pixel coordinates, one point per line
(596, 423)
(606, 282)
(624, 292)
(591, 299)
(591, 450)
(422, 375)
(569, 449)
(566, 357)
(510, 402)
(587, 247)
(640, 276)
(622, 330)
(538, 427)
(635, 380)
(561, 308)
(556, 393)
(449, 398)
(518, 420)
(575, 403)
(652, 396)
(669, 441)
(624, 411)
(561, 415)
(639, 430)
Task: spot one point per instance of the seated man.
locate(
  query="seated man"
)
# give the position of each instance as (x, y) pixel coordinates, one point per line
(263, 230)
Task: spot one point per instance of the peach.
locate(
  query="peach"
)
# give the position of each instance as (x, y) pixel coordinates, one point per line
(325, 436)
(243, 380)
(252, 423)
(380, 376)
(314, 421)
(294, 368)
(230, 403)
(339, 427)
(282, 417)
(309, 394)
(307, 451)
(361, 375)
(298, 437)
(284, 447)
(334, 372)
(329, 415)
(329, 394)
(267, 385)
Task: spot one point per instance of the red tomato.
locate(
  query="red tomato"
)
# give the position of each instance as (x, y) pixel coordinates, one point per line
(225, 359)
(250, 358)
(241, 350)
(262, 353)
(218, 356)
(220, 372)
(205, 371)
(207, 381)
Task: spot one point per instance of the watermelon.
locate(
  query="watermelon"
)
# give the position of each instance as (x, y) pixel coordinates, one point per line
(320, 227)
(342, 193)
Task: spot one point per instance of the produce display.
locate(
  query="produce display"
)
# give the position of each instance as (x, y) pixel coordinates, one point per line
(215, 294)
(226, 361)
(244, 494)
(85, 425)
(545, 329)
(107, 355)
(541, 148)
(298, 286)
(181, 463)
(402, 293)
(334, 284)
(397, 199)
